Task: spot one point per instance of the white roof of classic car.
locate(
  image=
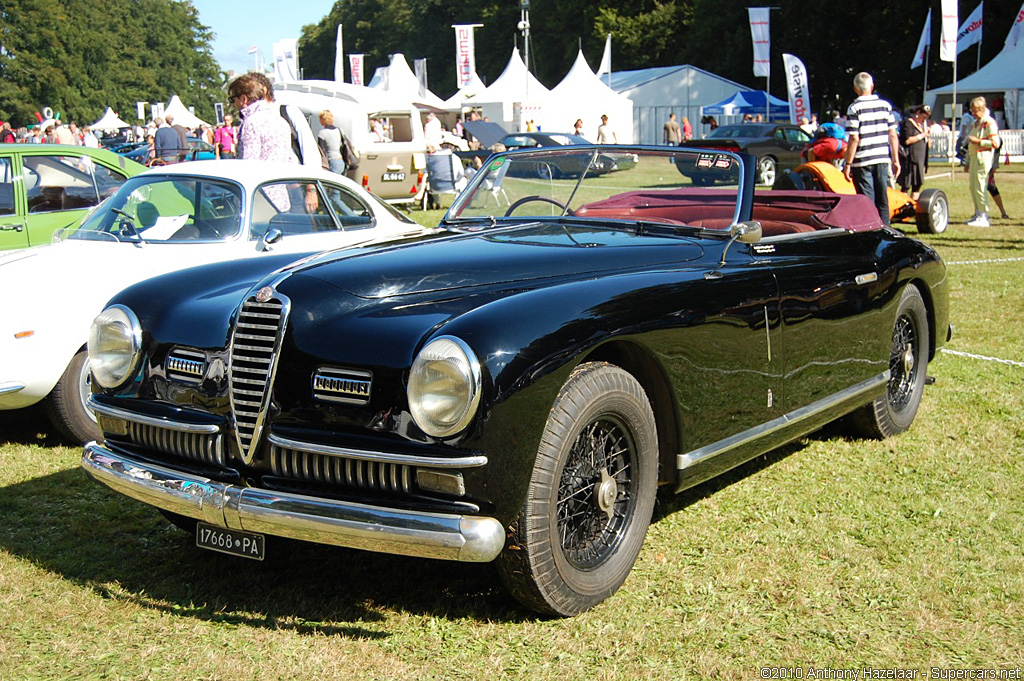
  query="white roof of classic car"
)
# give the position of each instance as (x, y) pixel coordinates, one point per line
(54, 291)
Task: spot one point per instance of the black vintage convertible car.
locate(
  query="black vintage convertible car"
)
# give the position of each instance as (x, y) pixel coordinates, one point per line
(517, 385)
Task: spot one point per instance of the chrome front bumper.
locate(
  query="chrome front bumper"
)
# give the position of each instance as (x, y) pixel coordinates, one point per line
(326, 521)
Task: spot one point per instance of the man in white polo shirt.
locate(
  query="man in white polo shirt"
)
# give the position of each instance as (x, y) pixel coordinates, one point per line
(873, 145)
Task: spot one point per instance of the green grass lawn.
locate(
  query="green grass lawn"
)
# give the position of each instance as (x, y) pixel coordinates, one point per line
(831, 552)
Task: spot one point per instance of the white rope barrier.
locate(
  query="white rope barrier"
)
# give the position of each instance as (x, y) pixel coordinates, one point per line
(983, 357)
(983, 262)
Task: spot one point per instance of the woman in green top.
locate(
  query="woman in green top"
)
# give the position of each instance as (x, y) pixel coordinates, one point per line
(982, 140)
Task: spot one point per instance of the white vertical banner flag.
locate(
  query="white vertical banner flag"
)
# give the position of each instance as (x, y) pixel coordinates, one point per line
(796, 81)
(924, 42)
(355, 69)
(970, 30)
(760, 34)
(286, 60)
(420, 67)
(949, 26)
(1017, 30)
(339, 59)
(465, 53)
(606, 58)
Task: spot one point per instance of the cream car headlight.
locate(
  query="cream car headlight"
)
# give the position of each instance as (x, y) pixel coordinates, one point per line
(115, 345)
(444, 387)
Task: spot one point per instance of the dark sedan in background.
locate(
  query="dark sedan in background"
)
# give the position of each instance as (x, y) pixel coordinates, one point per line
(564, 166)
(777, 147)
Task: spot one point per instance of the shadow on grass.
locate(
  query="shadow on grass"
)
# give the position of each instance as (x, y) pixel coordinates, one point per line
(669, 503)
(28, 426)
(124, 550)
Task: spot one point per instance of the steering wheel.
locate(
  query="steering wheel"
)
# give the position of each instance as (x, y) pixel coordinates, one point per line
(538, 197)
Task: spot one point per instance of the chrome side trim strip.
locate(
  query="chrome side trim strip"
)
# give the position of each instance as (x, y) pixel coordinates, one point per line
(11, 387)
(157, 422)
(688, 459)
(327, 521)
(382, 457)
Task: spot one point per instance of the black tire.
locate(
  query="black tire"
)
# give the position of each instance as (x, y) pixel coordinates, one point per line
(767, 170)
(582, 525)
(701, 181)
(932, 212)
(892, 412)
(65, 405)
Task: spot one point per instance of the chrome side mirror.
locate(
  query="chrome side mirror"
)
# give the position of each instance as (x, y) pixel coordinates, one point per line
(272, 236)
(747, 232)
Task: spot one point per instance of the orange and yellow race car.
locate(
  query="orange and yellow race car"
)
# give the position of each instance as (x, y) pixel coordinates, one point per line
(930, 212)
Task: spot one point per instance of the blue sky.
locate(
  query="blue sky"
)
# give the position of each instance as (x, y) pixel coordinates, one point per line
(238, 26)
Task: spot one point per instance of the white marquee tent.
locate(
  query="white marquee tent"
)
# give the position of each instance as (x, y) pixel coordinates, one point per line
(581, 94)
(515, 97)
(656, 92)
(467, 95)
(1002, 78)
(181, 114)
(109, 121)
(399, 79)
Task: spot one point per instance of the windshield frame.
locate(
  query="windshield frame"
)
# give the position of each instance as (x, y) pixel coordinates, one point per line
(490, 178)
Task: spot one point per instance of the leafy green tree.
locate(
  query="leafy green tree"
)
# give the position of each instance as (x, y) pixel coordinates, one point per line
(80, 56)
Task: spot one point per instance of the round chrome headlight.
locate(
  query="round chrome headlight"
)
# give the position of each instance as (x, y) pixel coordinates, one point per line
(115, 344)
(444, 387)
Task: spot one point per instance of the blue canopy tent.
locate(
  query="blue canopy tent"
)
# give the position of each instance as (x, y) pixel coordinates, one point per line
(749, 102)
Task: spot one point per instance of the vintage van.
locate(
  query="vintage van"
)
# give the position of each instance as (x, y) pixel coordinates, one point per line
(394, 168)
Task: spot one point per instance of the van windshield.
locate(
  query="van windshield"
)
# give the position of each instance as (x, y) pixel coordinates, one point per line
(393, 127)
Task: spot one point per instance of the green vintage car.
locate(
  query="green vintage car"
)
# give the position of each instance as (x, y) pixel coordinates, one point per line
(44, 187)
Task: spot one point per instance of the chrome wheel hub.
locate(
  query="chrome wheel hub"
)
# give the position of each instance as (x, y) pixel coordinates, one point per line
(908, 360)
(605, 492)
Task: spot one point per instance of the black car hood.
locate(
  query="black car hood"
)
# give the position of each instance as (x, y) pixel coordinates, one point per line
(498, 256)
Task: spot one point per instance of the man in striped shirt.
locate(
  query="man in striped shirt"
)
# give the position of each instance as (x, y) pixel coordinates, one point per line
(873, 144)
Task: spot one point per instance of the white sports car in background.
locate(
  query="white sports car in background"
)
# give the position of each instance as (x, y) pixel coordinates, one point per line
(162, 220)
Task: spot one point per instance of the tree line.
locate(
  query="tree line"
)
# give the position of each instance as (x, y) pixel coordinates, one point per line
(79, 56)
(835, 40)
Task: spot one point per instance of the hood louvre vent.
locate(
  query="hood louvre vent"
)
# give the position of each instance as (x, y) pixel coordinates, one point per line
(255, 347)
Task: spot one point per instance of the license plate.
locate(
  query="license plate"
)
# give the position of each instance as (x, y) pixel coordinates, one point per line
(392, 177)
(234, 542)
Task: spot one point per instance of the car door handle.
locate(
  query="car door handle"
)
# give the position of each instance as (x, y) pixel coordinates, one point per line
(12, 228)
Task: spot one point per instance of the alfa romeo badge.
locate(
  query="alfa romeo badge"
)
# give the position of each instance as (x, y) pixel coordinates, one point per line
(264, 294)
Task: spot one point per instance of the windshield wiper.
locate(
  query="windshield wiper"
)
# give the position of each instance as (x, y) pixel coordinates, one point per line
(455, 224)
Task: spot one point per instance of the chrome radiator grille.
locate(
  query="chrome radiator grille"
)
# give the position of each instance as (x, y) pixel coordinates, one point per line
(196, 446)
(342, 471)
(255, 344)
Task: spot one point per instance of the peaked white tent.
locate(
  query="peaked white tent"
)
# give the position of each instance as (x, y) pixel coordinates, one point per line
(1003, 77)
(109, 121)
(581, 94)
(515, 97)
(399, 79)
(181, 115)
(468, 95)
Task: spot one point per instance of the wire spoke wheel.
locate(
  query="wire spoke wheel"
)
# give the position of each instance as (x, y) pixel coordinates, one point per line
(595, 494)
(902, 364)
